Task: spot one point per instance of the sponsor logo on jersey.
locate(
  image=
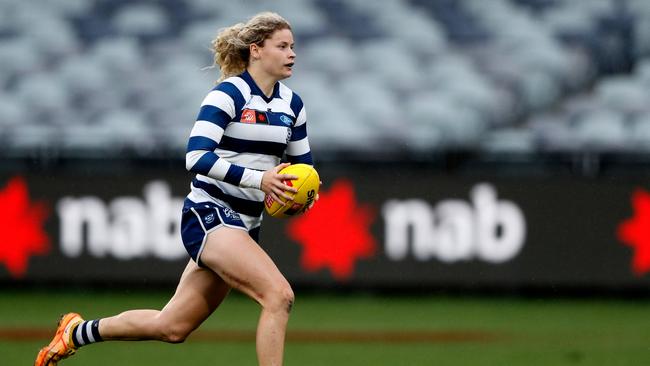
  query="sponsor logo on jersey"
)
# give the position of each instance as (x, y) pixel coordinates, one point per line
(253, 116)
(286, 120)
(248, 116)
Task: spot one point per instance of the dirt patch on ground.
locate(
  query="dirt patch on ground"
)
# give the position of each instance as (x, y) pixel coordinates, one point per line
(299, 336)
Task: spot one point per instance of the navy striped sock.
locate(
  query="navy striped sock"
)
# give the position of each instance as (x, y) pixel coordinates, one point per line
(86, 332)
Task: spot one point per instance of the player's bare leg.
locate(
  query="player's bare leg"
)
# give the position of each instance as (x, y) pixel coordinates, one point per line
(245, 266)
(199, 293)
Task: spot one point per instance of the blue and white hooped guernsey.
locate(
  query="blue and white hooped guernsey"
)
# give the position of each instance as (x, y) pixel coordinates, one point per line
(239, 134)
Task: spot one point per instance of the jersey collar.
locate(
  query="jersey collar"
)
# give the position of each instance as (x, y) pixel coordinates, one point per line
(255, 90)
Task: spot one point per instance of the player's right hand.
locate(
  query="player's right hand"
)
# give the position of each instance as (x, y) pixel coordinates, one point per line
(273, 184)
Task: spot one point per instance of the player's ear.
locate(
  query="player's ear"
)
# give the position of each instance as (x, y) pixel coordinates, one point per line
(254, 50)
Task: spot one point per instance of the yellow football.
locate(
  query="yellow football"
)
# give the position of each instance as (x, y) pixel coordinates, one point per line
(307, 185)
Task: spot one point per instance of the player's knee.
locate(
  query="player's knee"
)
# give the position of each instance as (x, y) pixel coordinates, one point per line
(175, 333)
(280, 299)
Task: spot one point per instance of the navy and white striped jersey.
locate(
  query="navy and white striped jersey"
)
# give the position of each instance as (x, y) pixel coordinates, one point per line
(239, 134)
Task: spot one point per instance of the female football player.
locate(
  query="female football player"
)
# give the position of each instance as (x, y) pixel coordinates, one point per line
(244, 127)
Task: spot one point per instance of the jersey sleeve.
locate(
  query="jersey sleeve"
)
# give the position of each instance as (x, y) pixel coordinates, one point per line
(298, 150)
(217, 110)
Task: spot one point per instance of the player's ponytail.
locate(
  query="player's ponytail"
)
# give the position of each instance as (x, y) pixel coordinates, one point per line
(231, 47)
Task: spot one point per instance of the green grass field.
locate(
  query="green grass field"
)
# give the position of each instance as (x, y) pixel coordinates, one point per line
(355, 330)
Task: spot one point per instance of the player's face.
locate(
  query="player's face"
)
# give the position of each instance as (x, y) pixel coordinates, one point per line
(277, 56)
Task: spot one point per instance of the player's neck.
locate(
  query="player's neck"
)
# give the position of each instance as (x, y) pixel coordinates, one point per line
(264, 81)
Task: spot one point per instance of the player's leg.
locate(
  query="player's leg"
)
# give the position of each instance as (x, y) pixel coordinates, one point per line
(235, 256)
(199, 293)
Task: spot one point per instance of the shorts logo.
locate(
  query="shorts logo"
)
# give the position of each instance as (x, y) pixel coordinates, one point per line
(209, 218)
(230, 213)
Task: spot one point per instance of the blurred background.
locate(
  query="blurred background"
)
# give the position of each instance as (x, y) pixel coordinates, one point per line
(405, 78)
(485, 168)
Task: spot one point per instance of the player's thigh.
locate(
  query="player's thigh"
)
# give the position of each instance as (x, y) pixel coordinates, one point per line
(243, 264)
(199, 292)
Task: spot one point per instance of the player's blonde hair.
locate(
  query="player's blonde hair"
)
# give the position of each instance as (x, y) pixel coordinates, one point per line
(231, 48)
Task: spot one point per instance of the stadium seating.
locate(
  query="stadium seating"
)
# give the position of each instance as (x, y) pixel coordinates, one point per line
(407, 75)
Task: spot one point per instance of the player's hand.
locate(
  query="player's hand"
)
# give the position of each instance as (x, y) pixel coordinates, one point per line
(273, 184)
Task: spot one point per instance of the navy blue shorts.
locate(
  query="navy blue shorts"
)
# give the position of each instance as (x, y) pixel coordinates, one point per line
(200, 219)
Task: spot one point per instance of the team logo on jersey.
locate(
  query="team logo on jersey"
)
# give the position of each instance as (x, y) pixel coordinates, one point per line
(209, 218)
(253, 116)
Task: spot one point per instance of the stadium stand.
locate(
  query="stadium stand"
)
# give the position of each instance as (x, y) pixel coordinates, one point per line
(409, 75)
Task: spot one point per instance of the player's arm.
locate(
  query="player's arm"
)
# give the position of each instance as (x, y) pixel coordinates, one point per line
(217, 110)
(298, 150)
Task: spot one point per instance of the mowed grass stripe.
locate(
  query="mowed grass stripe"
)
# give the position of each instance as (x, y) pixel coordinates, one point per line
(296, 336)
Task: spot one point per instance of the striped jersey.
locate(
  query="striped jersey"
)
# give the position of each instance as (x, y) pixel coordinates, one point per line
(240, 133)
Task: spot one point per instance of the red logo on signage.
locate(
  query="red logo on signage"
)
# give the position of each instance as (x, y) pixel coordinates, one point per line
(21, 228)
(635, 232)
(335, 233)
